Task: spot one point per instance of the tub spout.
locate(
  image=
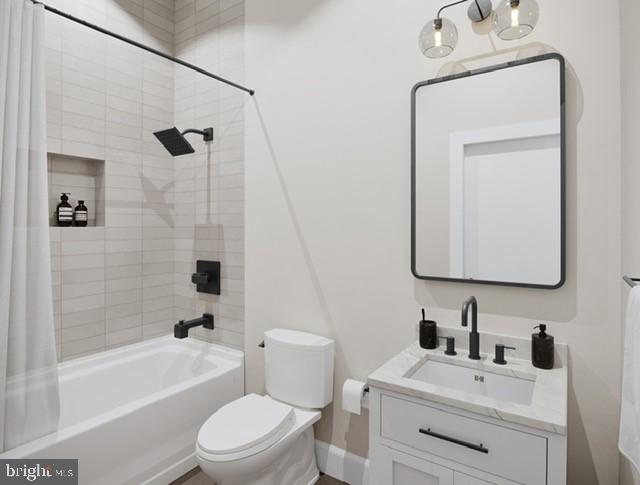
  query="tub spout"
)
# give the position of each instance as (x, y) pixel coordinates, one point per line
(181, 329)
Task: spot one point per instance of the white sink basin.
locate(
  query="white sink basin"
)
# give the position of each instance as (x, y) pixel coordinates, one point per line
(481, 382)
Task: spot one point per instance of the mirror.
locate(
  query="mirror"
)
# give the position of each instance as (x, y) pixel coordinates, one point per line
(488, 174)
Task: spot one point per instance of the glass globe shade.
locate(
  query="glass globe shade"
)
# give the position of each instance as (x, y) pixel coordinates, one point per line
(514, 19)
(438, 38)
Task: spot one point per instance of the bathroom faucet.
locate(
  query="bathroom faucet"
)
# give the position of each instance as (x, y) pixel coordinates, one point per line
(474, 336)
(181, 329)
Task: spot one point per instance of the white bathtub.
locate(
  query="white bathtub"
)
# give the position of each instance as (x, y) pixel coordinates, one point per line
(132, 415)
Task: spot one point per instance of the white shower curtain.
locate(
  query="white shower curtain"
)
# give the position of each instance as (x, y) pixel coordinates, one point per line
(29, 402)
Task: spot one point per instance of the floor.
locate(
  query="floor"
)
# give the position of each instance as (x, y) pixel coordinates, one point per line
(196, 477)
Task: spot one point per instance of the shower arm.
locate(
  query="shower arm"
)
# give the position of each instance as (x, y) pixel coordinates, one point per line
(207, 133)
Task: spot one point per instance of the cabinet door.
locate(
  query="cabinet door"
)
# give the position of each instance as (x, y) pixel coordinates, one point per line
(464, 479)
(400, 469)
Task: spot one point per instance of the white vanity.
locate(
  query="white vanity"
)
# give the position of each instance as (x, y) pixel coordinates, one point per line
(448, 420)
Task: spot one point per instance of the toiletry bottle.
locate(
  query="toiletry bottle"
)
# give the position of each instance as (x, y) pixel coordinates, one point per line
(542, 348)
(80, 214)
(64, 211)
(428, 333)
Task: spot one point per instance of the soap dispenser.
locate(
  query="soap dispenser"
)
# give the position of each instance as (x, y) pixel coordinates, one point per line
(64, 211)
(542, 348)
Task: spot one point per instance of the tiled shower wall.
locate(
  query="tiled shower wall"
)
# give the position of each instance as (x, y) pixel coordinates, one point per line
(129, 279)
(209, 190)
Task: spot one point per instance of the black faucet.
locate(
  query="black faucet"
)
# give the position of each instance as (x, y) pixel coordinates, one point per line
(474, 336)
(181, 329)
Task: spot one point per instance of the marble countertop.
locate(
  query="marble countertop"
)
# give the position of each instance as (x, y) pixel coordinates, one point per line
(548, 407)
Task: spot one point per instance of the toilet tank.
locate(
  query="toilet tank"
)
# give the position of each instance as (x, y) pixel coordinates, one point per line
(299, 367)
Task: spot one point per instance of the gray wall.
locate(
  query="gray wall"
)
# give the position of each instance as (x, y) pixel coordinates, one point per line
(114, 282)
(128, 278)
(209, 185)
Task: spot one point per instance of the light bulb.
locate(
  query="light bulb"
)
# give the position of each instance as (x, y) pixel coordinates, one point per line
(515, 14)
(437, 38)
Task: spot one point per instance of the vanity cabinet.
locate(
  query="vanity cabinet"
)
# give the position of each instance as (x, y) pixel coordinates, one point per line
(397, 468)
(416, 441)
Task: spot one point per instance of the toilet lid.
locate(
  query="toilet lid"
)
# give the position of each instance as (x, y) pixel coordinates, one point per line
(249, 424)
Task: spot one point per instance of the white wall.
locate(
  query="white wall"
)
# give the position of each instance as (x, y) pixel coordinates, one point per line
(328, 223)
(630, 42)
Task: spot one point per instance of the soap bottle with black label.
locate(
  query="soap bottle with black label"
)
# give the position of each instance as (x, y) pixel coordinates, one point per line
(64, 211)
(80, 214)
(542, 348)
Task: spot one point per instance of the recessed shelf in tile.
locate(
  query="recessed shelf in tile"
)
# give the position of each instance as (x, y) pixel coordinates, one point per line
(83, 179)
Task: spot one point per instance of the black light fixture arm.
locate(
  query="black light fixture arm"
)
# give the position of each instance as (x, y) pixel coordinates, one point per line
(142, 46)
(453, 4)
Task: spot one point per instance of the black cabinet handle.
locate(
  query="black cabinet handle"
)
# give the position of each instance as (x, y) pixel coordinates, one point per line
(456, 441)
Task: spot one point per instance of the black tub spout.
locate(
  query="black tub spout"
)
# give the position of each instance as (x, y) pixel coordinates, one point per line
(181, 329)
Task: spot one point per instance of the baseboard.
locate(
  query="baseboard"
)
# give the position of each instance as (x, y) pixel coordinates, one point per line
(174, 471)
(341, 464)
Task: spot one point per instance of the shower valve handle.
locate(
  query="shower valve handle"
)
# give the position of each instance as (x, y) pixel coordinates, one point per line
(200, 278)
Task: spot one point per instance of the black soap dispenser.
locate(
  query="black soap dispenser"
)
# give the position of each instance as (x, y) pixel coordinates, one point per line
(428, 333)
(80, 214)
(542, 348)
(64, 211)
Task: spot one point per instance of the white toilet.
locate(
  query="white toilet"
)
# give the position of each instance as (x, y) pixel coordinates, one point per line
(268, 440)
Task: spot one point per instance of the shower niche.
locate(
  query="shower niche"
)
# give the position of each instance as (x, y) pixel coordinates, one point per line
(83, 179)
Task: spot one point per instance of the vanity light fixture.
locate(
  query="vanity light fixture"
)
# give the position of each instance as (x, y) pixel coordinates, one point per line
(513, 19)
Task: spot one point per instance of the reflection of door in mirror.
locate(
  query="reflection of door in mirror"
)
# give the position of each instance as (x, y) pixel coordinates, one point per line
(488, 174)
(489, 238)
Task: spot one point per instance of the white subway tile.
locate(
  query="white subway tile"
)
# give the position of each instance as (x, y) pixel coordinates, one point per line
(90, 302)
(78, 348)
(84, 247)
(82, 289)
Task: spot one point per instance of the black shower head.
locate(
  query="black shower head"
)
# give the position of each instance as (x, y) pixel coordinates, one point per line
(175, 142)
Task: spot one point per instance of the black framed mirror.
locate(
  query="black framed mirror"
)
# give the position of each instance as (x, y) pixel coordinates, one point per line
(488, 175)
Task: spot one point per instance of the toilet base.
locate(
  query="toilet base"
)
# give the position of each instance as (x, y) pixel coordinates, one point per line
(296, 466)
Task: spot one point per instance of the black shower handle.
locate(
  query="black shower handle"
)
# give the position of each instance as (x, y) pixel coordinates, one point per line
(200, 278)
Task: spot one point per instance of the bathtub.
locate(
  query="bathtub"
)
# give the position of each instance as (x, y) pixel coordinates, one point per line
(131, 415)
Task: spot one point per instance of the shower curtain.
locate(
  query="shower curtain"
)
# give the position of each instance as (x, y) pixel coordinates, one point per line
(29, 402)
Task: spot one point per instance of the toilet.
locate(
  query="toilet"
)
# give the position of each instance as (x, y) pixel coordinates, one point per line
(269, 440)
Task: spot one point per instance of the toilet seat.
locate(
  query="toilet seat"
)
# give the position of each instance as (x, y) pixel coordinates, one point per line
(245, 427)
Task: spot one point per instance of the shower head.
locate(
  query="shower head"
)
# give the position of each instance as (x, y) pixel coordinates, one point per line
(175, 142)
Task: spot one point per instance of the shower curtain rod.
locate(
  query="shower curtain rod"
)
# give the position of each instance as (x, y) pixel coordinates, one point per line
(142, 46)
